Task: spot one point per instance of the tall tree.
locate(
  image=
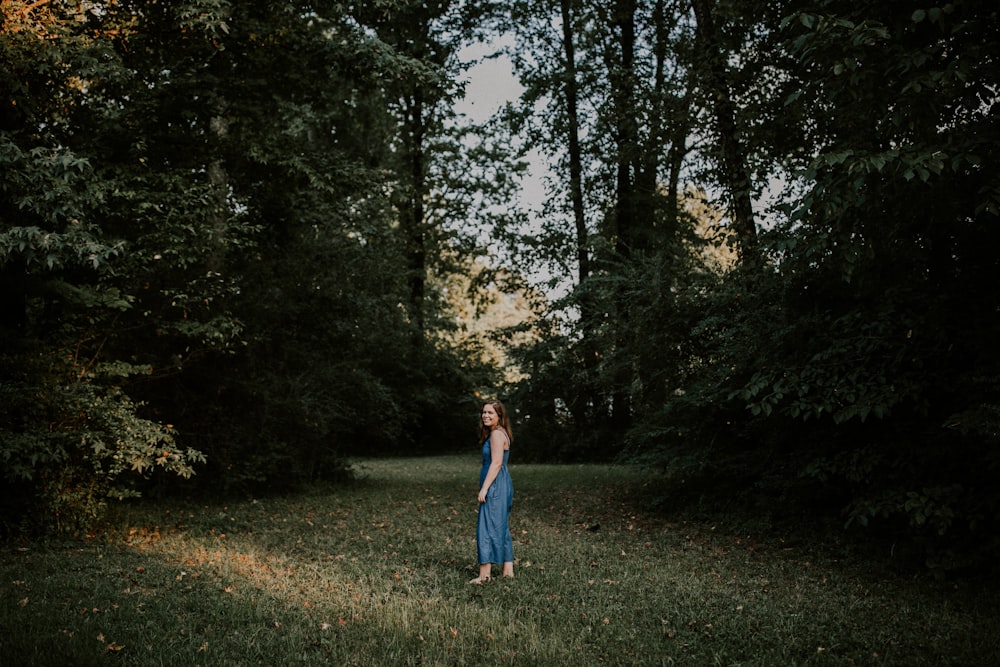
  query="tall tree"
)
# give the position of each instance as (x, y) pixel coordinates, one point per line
(73, 435)
(423, 103)
(574, 157)
(614, 108)
(853, 368)
(713, 53)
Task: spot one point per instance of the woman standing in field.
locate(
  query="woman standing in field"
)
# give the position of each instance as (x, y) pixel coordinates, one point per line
(496, 494)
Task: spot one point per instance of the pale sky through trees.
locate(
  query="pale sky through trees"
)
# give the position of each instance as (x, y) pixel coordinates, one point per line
(491, 84)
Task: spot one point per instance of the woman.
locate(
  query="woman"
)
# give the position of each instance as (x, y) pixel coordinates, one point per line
(496, 494)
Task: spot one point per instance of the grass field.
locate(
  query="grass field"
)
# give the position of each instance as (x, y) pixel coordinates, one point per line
(375, 573)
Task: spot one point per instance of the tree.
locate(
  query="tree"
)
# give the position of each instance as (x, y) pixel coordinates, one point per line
(618, 203)
(718, 89)
(236, 249)
(72, 436)
(851, 365)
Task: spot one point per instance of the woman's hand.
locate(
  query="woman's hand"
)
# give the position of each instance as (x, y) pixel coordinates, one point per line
(482, 496)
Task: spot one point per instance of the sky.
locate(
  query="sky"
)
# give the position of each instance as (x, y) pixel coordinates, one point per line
(491, 84)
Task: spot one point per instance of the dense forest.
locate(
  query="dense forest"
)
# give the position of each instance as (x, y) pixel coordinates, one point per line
(241, 242)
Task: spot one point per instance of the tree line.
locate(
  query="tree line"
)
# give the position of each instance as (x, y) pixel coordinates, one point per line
(240, 242)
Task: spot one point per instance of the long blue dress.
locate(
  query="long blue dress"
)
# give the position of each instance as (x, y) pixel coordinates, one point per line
(493, 541)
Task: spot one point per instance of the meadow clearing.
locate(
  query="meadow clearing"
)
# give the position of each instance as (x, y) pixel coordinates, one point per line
(374, 573)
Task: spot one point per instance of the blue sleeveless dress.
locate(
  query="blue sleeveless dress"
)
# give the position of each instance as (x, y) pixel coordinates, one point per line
(493, 541)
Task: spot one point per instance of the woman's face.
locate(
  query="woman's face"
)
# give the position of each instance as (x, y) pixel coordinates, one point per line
(490, 417)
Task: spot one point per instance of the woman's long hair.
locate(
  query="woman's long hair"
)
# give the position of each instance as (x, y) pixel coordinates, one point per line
(504, 421)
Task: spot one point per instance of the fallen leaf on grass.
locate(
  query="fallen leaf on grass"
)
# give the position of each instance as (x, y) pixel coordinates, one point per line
(113, 647)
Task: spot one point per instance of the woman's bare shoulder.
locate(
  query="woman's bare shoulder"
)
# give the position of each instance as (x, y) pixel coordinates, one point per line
(500, 436)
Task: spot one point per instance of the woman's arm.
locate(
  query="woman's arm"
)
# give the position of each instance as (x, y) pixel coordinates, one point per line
(498, 441)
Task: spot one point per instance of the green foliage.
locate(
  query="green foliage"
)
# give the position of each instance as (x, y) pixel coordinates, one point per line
(829, 367)
(831, 381)
(246, 222)
(199, 215)
(50, 191)
(84, 252)
(72, 439)
(847, 352)
(95, 447)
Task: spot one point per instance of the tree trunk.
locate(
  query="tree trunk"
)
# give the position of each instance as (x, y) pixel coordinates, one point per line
(573, 139)
(218, 176)
(661, 208)
(414, 217)
(646, 159)
(585, 397)
(734, 162)
(675, 160)
(622, 77)
(631, 238)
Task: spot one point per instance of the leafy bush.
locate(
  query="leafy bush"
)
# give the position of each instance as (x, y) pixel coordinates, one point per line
(73, 442)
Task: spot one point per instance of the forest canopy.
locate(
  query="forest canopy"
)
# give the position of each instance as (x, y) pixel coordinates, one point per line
(241, 242)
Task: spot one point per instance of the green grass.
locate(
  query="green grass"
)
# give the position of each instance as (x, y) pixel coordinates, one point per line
(375, 574)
